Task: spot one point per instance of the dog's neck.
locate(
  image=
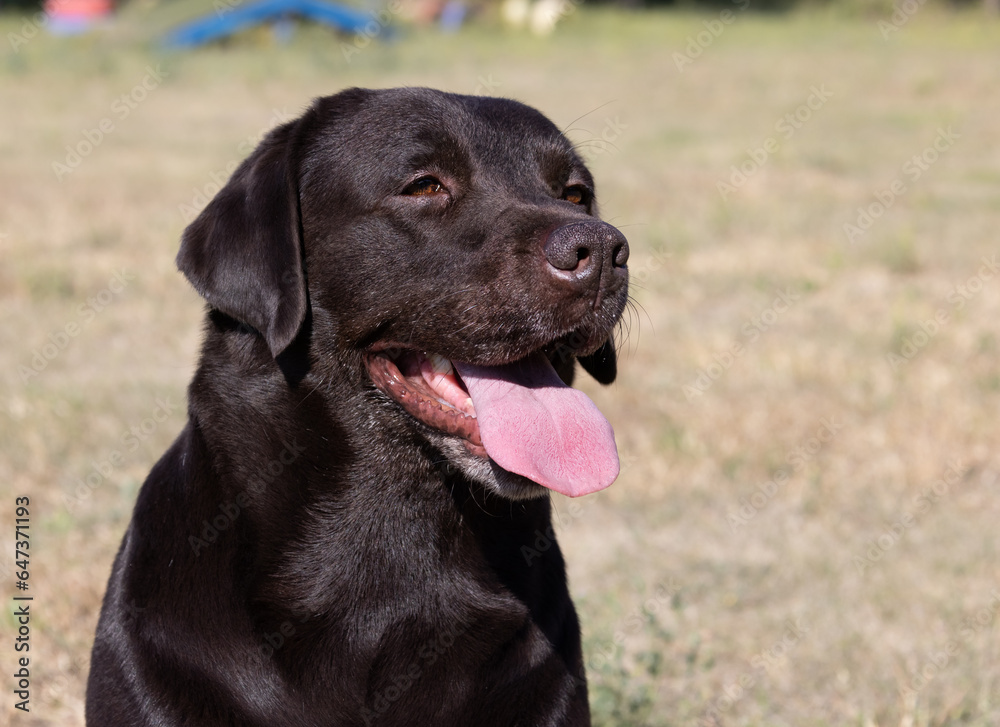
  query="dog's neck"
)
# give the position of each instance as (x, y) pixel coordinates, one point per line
(330, 464)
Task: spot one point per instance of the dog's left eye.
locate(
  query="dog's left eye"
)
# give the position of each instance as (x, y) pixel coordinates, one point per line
(424, 186)
(576, 194)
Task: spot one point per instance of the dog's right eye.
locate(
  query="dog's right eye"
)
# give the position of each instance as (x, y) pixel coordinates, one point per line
(577, 194)
(424, 186)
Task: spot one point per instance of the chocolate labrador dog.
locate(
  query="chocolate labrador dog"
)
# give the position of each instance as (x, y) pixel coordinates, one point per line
(399, 286)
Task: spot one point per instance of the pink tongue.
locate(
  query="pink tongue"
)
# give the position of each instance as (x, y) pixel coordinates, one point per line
(534, 425)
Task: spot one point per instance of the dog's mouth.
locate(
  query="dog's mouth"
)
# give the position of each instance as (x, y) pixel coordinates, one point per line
(429, 389)
(521, 415)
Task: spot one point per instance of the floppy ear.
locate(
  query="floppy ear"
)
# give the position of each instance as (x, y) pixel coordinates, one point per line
(602, 364)
(244, 252)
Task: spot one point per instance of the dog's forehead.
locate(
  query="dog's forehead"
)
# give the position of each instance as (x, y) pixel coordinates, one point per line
(410, 128)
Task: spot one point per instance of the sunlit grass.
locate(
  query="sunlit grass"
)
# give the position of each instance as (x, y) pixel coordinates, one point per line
(703, 267)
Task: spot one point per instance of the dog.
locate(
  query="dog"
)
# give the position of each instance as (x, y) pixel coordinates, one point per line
(399, 285)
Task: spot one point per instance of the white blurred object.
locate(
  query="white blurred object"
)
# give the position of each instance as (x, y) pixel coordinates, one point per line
(515, 12)
(545, 14)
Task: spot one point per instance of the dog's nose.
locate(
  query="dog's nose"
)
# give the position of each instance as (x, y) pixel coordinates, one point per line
(582, 250)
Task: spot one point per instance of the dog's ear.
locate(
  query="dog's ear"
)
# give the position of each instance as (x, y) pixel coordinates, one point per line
(243, 253)
(602, 364)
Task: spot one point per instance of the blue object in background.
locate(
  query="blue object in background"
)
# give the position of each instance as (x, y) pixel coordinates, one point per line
(283, 29)
(452, 16)
(240, 17)
(70, 26)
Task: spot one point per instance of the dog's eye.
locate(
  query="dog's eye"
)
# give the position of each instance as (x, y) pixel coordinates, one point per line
(424, 186)
(576, 194)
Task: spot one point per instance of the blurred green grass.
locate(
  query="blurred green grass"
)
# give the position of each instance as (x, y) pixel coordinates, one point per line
(703, 268)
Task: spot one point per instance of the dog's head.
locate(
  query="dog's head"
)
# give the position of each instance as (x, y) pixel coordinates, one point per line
(450, 248)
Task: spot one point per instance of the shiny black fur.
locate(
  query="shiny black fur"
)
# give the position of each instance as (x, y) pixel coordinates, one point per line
(306, 553)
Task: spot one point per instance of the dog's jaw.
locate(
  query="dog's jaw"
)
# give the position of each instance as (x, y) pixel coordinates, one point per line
(532, 429)
(484, 471)
(426, 387)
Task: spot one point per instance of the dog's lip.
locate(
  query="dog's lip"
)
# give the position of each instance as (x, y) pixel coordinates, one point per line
(427, 386)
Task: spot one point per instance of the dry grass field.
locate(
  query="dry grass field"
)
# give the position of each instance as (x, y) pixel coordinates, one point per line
(805, 531)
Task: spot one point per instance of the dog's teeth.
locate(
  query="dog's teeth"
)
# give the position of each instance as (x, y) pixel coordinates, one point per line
(470, 407)
(439, 364)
